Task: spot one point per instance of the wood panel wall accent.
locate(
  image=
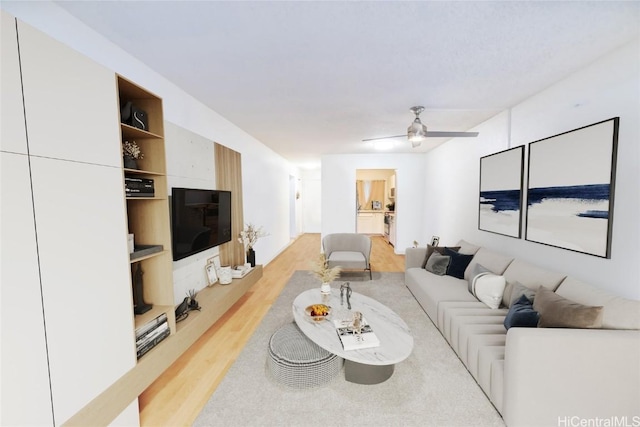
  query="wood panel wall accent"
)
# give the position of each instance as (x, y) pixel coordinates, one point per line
(229, 177)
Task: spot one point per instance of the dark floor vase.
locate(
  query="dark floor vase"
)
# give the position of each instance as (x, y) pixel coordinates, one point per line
(251, 257)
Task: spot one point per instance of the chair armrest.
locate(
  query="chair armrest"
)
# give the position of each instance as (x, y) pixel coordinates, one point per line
(556, 376)
(414, 257)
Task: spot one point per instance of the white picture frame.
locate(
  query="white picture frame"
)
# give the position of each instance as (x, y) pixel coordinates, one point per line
(212, 275)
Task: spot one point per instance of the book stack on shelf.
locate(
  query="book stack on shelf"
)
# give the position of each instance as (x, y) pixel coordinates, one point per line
(138, 187)
(353, 341)
(151, 333)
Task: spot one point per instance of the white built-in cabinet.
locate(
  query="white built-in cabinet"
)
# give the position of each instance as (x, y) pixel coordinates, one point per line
(24, 376)
(25, 399)
(67, 312)
(72, 100)
(12, 133)
(85, 279)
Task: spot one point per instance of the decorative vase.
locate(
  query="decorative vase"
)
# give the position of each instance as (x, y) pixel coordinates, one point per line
(224, 275)
(130, 162)
(325, 288)
(251, 257)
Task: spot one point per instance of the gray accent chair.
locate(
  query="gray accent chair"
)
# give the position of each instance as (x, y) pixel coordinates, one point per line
(351, 251)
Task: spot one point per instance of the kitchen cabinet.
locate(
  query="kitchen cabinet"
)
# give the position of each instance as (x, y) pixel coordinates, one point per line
(370, 222)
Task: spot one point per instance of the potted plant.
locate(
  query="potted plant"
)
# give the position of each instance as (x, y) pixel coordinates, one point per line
(131, 153)
(248, 237)
(326, 275)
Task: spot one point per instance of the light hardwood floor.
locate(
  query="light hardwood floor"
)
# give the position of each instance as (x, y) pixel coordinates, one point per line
(178, 396)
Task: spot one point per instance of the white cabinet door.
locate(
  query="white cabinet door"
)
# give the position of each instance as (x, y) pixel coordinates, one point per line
(13, 137)
(365, 223)
(84, 263)
(378, 223)
(26, 399)
(70, 102)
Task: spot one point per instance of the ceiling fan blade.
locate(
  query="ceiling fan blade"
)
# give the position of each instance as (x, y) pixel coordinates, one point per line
(385, 137)
(438, 134)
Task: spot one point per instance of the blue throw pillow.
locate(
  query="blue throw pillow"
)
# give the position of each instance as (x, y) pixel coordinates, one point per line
(521, 314)
(458, 263)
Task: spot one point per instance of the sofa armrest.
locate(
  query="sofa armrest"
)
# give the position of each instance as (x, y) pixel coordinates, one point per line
(414, 257)
(557, 376)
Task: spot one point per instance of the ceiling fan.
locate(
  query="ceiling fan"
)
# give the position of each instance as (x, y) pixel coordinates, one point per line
(417, 132)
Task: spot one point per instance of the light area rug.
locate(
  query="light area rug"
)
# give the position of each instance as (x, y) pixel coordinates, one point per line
(430, 388)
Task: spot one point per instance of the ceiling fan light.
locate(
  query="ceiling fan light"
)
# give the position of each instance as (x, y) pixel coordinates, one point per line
(416, 132)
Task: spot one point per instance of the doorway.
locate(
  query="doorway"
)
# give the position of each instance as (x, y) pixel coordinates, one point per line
(375, 200)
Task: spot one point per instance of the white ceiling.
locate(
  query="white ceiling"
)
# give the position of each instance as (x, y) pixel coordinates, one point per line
(316, 77)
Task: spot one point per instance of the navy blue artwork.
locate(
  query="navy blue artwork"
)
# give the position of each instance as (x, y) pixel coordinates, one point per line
(585, 194)
(501, 192)
(503, 200)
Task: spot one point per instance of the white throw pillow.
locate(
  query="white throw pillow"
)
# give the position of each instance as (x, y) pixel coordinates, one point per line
(488, 288)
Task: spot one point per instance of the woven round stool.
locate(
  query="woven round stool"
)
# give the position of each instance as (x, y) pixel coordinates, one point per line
(296, 361)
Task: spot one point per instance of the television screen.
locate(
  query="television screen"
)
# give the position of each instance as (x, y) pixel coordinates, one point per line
(200, 219)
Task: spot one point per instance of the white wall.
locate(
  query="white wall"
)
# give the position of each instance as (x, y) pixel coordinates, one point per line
(608, 88)
(339, 193)
(265, 174)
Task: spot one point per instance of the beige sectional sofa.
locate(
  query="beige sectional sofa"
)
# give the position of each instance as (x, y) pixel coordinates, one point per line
(537, 376)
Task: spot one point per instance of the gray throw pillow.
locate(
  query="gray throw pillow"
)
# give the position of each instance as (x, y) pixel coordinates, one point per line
(437, 249)
(437, 264)
(517, 290)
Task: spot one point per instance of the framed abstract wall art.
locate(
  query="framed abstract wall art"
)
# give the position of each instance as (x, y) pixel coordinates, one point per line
(570, 190)
(501, 177)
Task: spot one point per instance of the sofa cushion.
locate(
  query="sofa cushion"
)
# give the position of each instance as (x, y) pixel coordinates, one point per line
(445, 306)
(470, 314)
(514, 290)
(477, 342)
(462, 332)
(521, 314)
(488, 288)
(532, 276)
(467, 248)
(558, 312)
(494, 261)
(346, 259)
(458, 263)
(429, 290)
(619, 313)
(438, 264)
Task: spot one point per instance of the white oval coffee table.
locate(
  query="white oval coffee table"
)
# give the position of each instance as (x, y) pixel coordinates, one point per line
(363, 366)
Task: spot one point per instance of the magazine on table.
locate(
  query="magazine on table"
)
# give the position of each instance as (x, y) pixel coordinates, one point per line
(353, 341)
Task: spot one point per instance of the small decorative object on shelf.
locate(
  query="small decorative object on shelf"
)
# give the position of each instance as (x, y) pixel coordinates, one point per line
(225, 275)
(251, 257)
(193, 304)
(326, 275)
(248, 237)
(139, 306)
(131, 153)
(134, 116)
(212, 277)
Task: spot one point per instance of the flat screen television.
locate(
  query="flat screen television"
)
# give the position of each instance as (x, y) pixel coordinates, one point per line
(200, 219)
